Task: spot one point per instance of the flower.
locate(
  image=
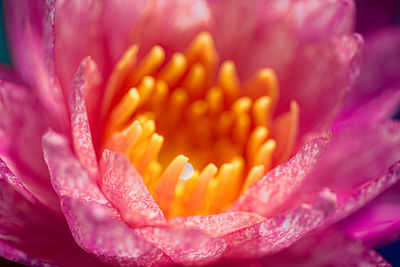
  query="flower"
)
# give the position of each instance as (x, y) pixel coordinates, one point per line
(114, 80)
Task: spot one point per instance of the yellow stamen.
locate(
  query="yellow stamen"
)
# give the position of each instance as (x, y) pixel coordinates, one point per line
(174, 70)
(119, 74)
(149, 65)
(183, 108)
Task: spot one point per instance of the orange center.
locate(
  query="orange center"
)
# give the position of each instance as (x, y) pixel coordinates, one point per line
(198, 137)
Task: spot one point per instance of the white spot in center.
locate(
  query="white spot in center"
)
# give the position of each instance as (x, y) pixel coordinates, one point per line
(187, 172)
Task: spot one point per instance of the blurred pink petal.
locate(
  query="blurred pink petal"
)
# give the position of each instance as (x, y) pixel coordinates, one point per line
(30, 28)
(28, 226)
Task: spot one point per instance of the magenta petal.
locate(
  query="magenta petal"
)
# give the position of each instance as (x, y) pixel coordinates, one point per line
(217, 225)
(29, 229)
(279, 232)
(381, 49)
(21, 257)
(347, 164)
(368, 192)
(30, 27)
(125, 188)
(269, 195)
(378, 223)
(23, 120)
(81, 135)
(185, 246)
(326, 248)
(94, 223)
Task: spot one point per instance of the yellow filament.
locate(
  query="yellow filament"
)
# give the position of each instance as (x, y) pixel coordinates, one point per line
(179, 108)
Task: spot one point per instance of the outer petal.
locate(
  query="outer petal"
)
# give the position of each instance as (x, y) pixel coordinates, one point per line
(281, 231)
(373, 15)
(22, 123)
(378, 223)
(376, 94)
(125, 188)
(28, 229)
(30, 27)
(81, 134)
(377, 147)
(326, 248)
(94, 223)
(315, 59)
(270, 194)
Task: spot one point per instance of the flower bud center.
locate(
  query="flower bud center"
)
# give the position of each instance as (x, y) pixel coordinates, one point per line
(196, 134)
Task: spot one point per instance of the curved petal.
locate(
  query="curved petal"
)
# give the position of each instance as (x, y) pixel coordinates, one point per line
(314, 58)
(94, 223)
(271, 194)
(30, 27)
(28, 229)
(96, 28)
(326, 248)
(171, 24)
(378, 223)
(377, 86)
(124, 187)
(185, 246)
(23, 120)
(81, 134)
(347, 164)
(279, 232)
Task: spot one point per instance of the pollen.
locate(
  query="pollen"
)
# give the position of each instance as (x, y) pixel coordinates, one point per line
(196, 133)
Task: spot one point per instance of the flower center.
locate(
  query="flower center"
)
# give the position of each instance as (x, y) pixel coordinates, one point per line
(198, 137)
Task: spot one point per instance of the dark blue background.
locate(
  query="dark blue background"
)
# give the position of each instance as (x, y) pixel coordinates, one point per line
(390, 252)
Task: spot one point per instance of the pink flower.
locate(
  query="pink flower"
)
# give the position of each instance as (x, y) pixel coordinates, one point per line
(255, 87)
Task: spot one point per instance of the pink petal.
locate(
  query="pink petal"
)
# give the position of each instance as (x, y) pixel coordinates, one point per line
(171, 24)
(314, 58)
(357, 155)
(81, 134)
(185, 246)
(217, 225)
(326, 248)
(279, 232)
(29, 228)
(99, 29)
(124, 187)
(21, 257)
(94, 223)
(270, 195)
(23, 120)
(368, 192)
(378, 223)
(379, 86)
(30, 27)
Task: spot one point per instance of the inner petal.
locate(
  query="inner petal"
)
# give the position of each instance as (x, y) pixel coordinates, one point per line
(196, 134)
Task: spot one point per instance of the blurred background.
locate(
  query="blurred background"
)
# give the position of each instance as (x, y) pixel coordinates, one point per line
(371, 15)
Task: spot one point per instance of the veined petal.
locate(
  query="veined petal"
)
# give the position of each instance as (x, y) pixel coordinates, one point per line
(377, 147)
(81, 133)
(279, 232)
(271, 193)
(125, 188)
(94, 223)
